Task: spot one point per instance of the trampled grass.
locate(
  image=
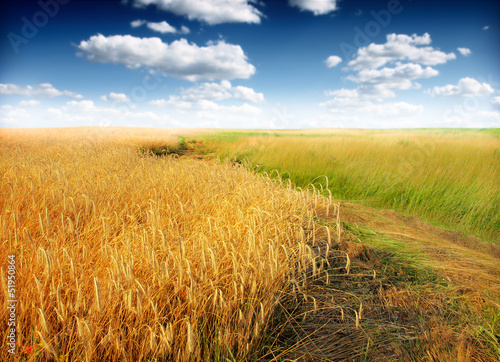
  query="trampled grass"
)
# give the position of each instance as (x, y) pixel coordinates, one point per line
(449, 177)
(122, 255)
(440, 284)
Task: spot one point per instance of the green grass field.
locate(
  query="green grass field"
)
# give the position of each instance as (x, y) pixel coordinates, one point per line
(447, 177)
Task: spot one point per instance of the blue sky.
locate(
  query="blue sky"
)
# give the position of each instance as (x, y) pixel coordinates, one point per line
(250, 63)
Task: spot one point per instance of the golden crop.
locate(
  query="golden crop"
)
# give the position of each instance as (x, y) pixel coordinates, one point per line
(122, 256)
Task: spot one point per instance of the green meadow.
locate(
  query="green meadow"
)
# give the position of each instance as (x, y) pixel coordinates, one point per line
(450, 178)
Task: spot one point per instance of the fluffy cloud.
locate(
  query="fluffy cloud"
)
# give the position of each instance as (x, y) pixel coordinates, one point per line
(240, 116)
(115, 97)
(395, 109)
(30, 103)
(464, 51)
(318, 7)
(480, 119)
(45, 90)
(399, 47)
(495, 103)
(204, 95)
(333, 61)
(402, 72)
(382, 82)
(355, 112)
(86, 113)
(208, 91)
(211, 113)
(247, 94)
(174, 101)
(137, 23)
(196, 113)
(366, 101)
(161, 27)
(209, 11)
(343, 93)
(179, 59)
(201, 102)
(490, 116)
(345, 104)
(466, 87)
(410, 58)
(85, 106)
(11, 115)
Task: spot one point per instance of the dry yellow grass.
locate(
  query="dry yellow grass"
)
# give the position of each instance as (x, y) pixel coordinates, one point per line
(126, 257)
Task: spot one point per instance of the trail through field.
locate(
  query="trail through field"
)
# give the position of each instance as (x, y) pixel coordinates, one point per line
(470, 264)
(413, 292)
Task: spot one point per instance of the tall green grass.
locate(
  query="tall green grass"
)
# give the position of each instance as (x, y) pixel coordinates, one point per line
(451, 178)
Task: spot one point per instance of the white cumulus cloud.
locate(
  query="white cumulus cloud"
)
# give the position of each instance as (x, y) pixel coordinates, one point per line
(372, 111)
(247, 94)
(333, 61)
(137, 23)
(86, 113)
(44, 90)
(401, 73)
(209, 11)
(204, 95)
(30, 103)
(115, 97)
(380, 70)
(343, 93)
(495, 101)
(464, 51)
(382, 82)
(178, 59)
(12, 116)
(160, 27)
(492, 116)
(395, 109)
(466, 87)
(399, 47)
(85, 106)
(203, 103)
(318, 7)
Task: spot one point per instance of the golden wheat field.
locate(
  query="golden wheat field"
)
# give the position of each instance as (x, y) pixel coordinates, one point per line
(123, 256)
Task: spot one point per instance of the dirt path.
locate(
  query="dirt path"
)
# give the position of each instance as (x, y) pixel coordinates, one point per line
(411, 292)
(466, 261)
